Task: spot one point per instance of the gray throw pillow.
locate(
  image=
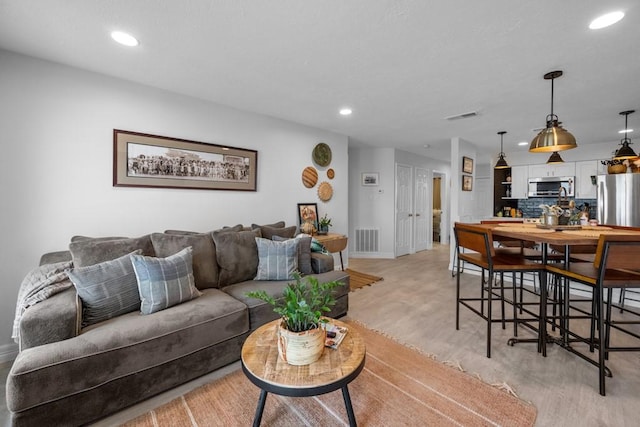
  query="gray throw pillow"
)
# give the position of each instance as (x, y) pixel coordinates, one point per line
(94, 251)
(205, 266)
(269, 232)
(107, 289)
(304, 252)
(164, 282)
(237, 256)
(276, 260)
(279, 224)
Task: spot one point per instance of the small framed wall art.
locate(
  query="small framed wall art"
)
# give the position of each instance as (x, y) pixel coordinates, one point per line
(467, 164)
(467, 183)
(370, 178)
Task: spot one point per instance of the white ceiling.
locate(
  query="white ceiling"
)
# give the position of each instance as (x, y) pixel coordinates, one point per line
(403, 66)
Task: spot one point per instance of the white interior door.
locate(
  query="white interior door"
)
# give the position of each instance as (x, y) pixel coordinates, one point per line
(404, 215)
(422, 201)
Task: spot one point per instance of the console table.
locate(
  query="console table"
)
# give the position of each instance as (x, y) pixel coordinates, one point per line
(335, 243)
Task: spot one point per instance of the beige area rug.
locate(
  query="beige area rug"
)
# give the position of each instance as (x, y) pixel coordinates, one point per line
(398, 387)
(358, 280)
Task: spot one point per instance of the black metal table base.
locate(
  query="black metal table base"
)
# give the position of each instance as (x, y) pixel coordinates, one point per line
(257, 419)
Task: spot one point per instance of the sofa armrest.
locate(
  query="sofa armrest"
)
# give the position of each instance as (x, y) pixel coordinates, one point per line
(321, 263)
(54, 319)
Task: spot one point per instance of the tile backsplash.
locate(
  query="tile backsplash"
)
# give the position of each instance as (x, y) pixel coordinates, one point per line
(531, 207)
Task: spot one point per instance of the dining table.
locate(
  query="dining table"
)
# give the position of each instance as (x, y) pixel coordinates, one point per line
(545, 236)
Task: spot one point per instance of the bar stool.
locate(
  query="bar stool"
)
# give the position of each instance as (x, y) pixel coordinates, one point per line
(479, 240)
(615, 260)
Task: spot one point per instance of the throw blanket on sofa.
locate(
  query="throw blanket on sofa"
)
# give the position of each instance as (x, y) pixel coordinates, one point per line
(38, 285)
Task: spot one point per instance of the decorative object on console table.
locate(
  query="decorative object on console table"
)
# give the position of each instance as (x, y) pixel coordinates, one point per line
(334, 243)
(301, 338)
(370, 178)
(467, 164)
(467, 183)
(308, 217)
(143, 160)
(323, 225)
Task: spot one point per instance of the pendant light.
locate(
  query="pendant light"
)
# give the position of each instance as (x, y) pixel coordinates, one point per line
(625, 152)
(502, 163)
(554, 137)
(555, 158)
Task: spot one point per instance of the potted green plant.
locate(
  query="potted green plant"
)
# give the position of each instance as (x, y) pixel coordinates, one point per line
(323, 224)
(300, 335)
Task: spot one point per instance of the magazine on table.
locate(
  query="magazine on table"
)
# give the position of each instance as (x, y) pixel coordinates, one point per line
(335, 334)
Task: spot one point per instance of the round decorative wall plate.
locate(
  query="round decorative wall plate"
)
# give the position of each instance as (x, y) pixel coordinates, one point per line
(309, 176)
(322, 154)
(330, 173)
(325, 191)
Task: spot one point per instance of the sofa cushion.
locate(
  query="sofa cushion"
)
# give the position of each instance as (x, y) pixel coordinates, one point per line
(94, 251)
(237, 256)
(276, 260)
(107, 289)
(164, 282)
(205, 266)
(304, 252)
(286, 232)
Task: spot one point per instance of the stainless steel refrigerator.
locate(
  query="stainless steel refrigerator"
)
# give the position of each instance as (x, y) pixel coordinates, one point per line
(619, 199)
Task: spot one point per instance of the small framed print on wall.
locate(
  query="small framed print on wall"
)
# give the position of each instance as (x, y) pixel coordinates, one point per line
(467, 183)
(467, 164)
(370, 178)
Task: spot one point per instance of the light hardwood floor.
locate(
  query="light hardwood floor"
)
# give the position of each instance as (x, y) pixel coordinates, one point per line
(415, 303)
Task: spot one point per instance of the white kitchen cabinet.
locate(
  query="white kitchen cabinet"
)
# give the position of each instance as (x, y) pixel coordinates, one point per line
(519, 181)
(543, 170)
(585, 188)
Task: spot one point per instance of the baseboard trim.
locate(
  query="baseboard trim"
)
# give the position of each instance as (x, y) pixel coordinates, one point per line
(8, 352)
(386, 255)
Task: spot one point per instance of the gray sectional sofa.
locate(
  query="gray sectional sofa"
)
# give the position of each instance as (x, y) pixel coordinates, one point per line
(69, 372)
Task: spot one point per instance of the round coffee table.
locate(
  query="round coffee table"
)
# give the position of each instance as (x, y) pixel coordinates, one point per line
(334, 370)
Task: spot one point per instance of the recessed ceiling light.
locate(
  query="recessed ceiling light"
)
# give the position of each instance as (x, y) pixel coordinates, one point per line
(606, 20)
(523, 143)
(345, 111)
(124, 38)
(625, 131)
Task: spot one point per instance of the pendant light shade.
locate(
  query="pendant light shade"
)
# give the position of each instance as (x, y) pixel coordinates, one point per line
(501, 163)
(625, 152)
(555, 158)
(554, 137)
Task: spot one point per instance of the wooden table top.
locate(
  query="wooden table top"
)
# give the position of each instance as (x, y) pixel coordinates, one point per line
(332, 241)
(260, 359)
(587, 235)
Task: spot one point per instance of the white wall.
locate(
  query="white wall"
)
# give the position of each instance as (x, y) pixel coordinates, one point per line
(56, 171)
(374, 207)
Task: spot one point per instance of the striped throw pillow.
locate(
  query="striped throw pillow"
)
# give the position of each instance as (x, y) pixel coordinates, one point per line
(276, 260)
(165, 282)
(107, 289)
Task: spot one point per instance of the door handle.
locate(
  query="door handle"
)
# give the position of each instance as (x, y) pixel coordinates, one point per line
(410, 215)
(417, 214)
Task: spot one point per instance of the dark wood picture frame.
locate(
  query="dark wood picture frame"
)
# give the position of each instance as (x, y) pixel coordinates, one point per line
(308, 209)
(144, 160)
(467, 164)
(467, 183)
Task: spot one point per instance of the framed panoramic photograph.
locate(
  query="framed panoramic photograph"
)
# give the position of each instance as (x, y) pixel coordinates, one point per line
(467, 183)
(143, 160)
(308, 212)
(467, 165)
(370, 178)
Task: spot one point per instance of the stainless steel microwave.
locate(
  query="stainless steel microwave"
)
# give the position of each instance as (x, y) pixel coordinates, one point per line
(549, 186)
